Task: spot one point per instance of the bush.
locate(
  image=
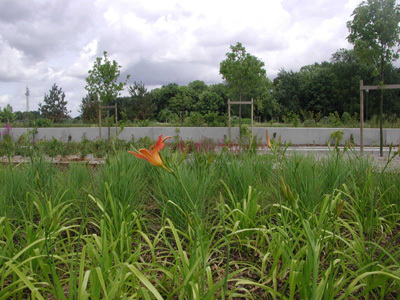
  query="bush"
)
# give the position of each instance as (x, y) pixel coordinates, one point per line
(335, 119)
(194, 119)
(40, 122)
(309, 123)
(349, 121)
(167, 116)
(235, 120)
(143, 123)
(293, 118)
(213, 120)
(332, 121)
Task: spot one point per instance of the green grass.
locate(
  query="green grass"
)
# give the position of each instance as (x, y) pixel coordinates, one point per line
(222, 226)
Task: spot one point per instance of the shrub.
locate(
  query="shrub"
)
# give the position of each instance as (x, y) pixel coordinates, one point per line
(143, 123)
(194, 119)
(40, 122)
(333, 120)
(309, 123)
(293, 118)
(347, 120)
(212, 119)
(167, 116)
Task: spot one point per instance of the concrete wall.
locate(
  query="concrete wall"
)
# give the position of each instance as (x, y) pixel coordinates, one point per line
(297, 136)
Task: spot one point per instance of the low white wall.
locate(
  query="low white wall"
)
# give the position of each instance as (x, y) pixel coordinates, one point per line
(297, 136)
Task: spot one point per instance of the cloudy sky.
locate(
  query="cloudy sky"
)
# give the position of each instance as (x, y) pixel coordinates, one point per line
(157, 42)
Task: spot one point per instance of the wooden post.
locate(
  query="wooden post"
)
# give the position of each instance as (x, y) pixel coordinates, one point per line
(108, 118)
(100, 123)
(252, 112)
(108, 121)
(361, 117)
(229, 117)
(369, 88)
(116, 120)
(240, 103)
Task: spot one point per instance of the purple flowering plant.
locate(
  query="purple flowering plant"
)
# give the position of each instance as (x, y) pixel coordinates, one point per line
(6, 134)
(7, 130)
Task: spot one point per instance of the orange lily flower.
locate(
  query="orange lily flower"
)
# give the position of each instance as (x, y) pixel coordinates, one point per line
(152, 155)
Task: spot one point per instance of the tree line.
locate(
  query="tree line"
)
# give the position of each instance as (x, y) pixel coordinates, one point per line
(312, 93)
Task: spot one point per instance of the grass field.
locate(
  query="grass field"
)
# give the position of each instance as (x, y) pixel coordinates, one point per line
(219, 226)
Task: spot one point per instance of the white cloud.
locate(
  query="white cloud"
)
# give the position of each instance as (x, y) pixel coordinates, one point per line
(158, 41)
(13, 67)
(4, 100)
(85, 61)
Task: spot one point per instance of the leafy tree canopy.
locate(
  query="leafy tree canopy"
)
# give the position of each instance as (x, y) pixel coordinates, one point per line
(141, 106)
(344, 56)
(375, 32)
(103, 80)
(242, 72)
(198, 85)
(7, 115)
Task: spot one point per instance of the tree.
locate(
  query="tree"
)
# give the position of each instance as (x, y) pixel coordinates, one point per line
(265, 103)
(198, 85)
(317, 93)
(182, 102)
(209, 102)
(222, 91)
(243, 73)
(89, 108)
(287, 91)
(344, 55)
(55, 107)
(161, 97)
(142, 106)
(375, 33)
(348, 70)
(7, 115)
(103, 80)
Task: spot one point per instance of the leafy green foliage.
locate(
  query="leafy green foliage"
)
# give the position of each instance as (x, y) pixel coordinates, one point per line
(89, 108)
(55, 106)
(375, 32)
(161, 96)
(182, 102)
(7, 115)
(103, 80)
(322, 228)
(323, 88)
(287, 90)
(242, 72)
(143, 106)
(41, 122)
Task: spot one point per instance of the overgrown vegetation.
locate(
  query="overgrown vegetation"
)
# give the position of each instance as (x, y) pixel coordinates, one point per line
(229, 225)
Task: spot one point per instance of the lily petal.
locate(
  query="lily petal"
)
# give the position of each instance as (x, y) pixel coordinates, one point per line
(152, 154)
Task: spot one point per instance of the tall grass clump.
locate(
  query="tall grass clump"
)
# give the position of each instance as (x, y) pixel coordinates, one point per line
(124, 178)
(201, 225)
(186, 193)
